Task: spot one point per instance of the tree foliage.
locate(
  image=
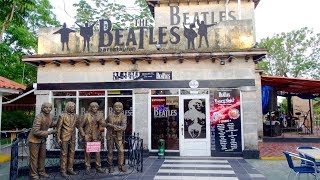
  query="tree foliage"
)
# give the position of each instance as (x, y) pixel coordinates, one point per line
(19, 22)
(117, 13)
(17, 119)
(293, 54)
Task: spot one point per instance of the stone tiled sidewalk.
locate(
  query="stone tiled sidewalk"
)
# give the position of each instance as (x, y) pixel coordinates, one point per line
(275, 149)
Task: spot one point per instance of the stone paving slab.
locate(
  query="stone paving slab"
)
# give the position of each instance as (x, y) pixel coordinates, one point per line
(270, 150)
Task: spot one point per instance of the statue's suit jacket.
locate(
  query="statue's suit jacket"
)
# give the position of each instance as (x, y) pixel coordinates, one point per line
(91, 125)
(66, 127)
(39, 131)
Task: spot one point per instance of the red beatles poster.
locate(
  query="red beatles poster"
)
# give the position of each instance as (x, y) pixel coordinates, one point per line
(225, 120)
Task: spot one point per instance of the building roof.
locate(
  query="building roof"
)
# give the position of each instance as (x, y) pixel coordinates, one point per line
(41, 60)
(154, 2)
(292, 85)
(8, 84)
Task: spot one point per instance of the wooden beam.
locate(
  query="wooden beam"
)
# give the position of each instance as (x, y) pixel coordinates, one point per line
(149, 60)
(56, 62)
(42, 63)
(134, 60)
(165, 59)
(87, 61)
(117, 60)
(213, 59)
(197, 58)
(102, 61)
(72, 62)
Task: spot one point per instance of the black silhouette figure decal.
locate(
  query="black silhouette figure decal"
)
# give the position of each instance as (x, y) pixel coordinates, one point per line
(203, 32)
(86, 32)
(190, 34)
(64, 32)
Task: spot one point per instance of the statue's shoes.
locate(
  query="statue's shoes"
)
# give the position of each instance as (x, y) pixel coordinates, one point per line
(100, 170)
(122, 169)
(87, 171)
(63, 174)
(111, 170)
(44, 175)
(71, 172)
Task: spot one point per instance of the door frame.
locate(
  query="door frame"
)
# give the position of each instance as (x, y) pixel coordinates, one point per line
(182, 140)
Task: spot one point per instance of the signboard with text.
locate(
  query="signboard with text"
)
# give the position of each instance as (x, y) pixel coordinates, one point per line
(200, 27)
(93, 147)
(225, 119)
(142, 76)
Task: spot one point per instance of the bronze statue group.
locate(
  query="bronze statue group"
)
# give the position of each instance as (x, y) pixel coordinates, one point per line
(89, 126)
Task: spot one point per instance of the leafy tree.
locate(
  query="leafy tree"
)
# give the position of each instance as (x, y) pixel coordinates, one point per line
(19, 22)
(292, 54)
(117, 13)
(17, 119)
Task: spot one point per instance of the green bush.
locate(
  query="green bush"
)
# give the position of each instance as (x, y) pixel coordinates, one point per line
(17, 119)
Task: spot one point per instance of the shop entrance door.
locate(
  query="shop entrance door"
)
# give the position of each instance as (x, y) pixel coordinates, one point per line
(194, 125)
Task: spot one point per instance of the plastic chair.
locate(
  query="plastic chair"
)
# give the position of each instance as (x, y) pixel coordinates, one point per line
(300, 169)
(308, 157)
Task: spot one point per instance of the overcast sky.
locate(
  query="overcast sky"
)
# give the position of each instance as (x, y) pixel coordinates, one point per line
(272, 16)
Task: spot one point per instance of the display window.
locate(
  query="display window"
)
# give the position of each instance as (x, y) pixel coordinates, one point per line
(165, 121)
(83, 100)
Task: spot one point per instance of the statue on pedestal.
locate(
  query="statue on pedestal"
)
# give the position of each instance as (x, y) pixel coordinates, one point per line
(89, 128)
(66, 136)
(116, 125)
(37, 141)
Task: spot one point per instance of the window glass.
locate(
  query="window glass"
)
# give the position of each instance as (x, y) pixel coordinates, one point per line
(59, 105)
(119, 92)
(165, 121)
(91, 93)
(127, 110)
(84, 104)
(165, 92)
(64, 93)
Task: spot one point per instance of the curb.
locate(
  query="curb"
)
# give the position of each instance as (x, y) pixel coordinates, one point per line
(4, 158)
(273, 158)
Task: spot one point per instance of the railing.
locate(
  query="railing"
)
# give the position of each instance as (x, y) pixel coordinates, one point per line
(19, 166)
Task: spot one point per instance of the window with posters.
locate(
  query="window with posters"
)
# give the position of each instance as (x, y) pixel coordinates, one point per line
(125, 97)
(83, 100)
(165, 118)
(225, 119)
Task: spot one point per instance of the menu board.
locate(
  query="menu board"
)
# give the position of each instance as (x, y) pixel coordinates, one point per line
(225, 120)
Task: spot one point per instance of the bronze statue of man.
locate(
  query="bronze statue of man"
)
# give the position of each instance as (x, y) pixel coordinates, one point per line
(89, 128)
(37, 141)
(116, 125)
(66, 136)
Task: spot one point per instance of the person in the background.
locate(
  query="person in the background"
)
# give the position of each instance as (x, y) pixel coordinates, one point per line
(116, 125)
(66, 135)
(89, 128)
(37, 141)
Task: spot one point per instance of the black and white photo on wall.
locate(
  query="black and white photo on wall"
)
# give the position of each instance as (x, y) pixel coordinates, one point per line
(194, 118)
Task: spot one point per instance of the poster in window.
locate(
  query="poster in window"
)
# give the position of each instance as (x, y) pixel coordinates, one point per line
(225, 119)
(194, 118)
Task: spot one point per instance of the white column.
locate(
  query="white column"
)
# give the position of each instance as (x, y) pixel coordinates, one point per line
(239, 9)
(0, 114)
(227, 10)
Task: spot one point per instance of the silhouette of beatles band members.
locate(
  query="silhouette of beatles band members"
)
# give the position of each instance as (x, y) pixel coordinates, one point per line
(203, 31)
(64, 31)
(86, 32)
(190, 34)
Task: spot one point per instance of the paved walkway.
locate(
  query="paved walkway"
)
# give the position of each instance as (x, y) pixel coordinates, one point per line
(178, 168)
(204, 168)
(274, 150)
